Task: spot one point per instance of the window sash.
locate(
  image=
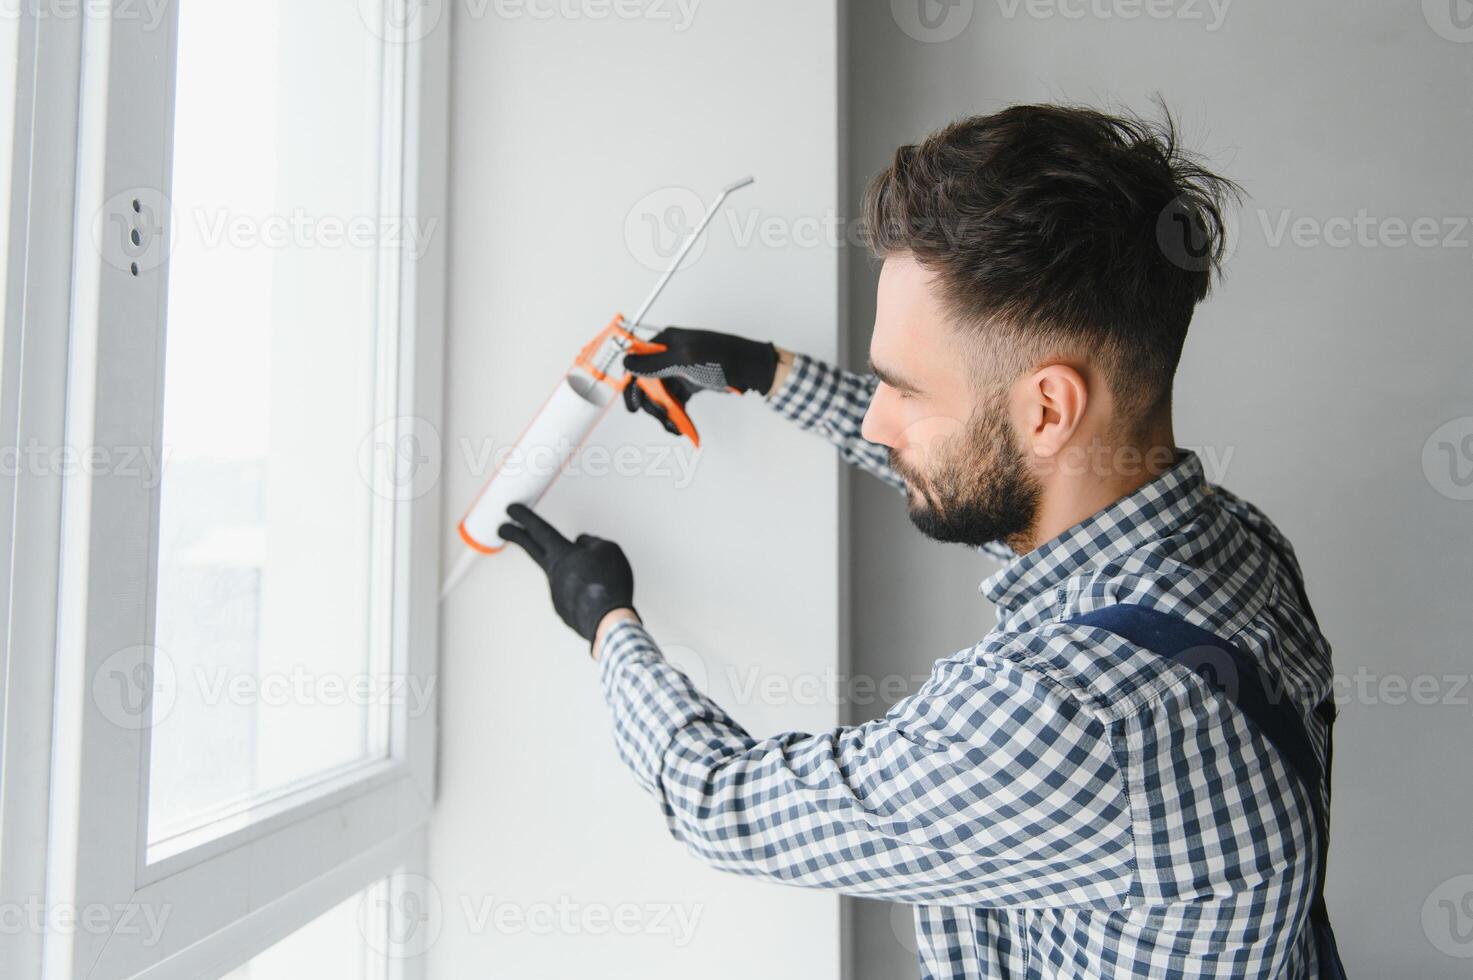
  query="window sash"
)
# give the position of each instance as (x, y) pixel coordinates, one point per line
(230, 895)
(37, 289)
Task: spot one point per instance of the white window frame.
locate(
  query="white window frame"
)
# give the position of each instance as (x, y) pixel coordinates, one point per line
(96, 103)
(38, 263)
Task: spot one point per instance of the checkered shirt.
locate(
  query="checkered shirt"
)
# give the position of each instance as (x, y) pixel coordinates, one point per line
(1053, 801)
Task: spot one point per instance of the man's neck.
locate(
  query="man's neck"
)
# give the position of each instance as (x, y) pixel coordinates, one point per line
(1089, 479)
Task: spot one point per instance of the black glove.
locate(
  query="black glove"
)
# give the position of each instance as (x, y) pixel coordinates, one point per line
(589, 577)
(697, 360)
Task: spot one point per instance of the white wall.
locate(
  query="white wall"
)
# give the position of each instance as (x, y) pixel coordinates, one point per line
(561, 127)
(1324, 372)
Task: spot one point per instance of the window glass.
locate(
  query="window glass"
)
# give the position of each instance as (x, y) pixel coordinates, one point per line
(271, 625)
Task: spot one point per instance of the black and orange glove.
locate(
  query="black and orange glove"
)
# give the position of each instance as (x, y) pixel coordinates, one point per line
(699, 360)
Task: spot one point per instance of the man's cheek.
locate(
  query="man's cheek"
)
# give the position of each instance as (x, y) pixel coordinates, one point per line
(929, 443)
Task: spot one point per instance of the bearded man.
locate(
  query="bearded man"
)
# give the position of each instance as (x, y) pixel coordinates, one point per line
(1128, 775)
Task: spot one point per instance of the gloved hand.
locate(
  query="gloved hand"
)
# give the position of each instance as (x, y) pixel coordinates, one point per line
(699, 360)
(589, 577)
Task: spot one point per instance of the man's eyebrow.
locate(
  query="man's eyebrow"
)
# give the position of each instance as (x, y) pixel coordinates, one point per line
(899, 384)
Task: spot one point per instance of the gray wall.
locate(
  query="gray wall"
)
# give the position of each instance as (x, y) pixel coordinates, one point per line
(1317, 376)
(570, 136)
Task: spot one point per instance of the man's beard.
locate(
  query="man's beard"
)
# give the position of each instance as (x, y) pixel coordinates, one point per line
(977, 492)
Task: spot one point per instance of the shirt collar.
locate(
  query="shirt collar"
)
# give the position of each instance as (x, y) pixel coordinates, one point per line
(1149, 512)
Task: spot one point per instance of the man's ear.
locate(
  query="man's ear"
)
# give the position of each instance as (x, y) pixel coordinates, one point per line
(1054, 399)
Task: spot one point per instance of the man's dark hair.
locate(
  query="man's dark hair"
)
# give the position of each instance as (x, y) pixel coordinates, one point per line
(1057, 229)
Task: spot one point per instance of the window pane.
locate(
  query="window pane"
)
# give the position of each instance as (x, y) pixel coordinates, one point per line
(271, 624)
(333, 945)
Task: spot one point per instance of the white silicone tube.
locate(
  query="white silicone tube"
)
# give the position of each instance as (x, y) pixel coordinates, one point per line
(542, 452)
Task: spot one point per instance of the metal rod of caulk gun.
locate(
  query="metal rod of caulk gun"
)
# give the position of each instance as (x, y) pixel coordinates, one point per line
(633, 324)
(690, 243)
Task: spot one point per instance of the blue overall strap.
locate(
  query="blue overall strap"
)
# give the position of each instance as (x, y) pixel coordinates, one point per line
(1235, 675)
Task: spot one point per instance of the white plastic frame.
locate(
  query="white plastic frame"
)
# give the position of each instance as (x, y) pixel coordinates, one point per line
(38, 261)
(241, 890)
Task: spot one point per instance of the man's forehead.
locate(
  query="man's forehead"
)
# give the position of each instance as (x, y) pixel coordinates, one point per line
(905, 278)
(909, 322)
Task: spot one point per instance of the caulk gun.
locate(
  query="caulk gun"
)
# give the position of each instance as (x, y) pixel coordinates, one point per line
(575, 407)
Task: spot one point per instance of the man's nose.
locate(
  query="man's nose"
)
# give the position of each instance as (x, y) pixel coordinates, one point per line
(870, 429)
(878, 426)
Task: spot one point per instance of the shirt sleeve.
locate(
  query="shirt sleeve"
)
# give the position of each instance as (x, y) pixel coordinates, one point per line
(832, 402)
(987, 787)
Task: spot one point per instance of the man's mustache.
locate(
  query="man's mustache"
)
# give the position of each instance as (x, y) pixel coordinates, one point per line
(899, 467)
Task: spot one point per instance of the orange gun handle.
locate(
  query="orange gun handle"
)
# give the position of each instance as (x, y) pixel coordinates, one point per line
(654, 389)
(637, 346)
